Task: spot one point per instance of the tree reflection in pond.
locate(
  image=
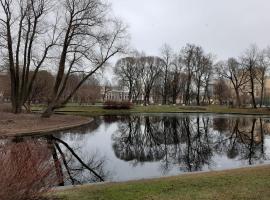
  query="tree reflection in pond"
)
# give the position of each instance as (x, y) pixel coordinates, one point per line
(64, 163)
(144, 146)
(189, 142)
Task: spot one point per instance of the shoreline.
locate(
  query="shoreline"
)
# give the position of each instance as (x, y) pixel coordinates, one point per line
(99, 110)
(185, 174)
(86, 117)
(170, 112)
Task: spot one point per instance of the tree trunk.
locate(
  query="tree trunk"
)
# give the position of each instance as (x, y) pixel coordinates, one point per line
(48, 112)
(252, 94)
(174, 99)
(145, 100)
(252, 87)
(198, 96)
(238, 98)
(130, 95)
(262, 94)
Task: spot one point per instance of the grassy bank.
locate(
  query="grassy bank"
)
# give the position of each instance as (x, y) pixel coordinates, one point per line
(248, 183)
(98, 110)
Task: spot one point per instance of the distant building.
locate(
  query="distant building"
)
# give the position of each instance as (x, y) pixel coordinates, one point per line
(245, 90)
(114, 94)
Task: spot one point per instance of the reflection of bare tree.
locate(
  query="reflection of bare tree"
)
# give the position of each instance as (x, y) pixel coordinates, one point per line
(65, 163)
(133, 138)
(188, 141)
(75, 167)
(243, 138)
(170, 140)
(196, 145)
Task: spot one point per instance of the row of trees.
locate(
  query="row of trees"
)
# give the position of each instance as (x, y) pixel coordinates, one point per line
(171, 75)
(193, 76)
(88, 93)
(78, 40)
(247, 74)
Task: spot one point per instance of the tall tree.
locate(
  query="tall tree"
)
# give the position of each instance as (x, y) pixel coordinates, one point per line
(126, 70)
(250, 62)
(178, 78)
(221, 91)
(188, 53)
(262, 69)
(90, 37)
(26, 37)
(202, 69)
(235, 73)
(167, 56)
(208, 74)
(151, 71)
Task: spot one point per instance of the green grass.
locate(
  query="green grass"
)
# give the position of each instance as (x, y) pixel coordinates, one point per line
(248, 183)
(98, 110)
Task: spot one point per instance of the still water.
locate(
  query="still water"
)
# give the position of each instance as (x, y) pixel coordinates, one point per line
(120, 148)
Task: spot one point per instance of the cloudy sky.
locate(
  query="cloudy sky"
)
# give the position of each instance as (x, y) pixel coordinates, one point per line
(223, 27)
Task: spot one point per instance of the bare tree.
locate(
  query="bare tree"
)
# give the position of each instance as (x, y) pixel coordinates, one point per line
(138, 85)
(208, 74)
(262, 69)
(235, 73)
(178, 78)
(89, 39)
(167, 56)
(250, 62)
(221, 91)
(151, 70)
(188, 53)
(202, 72)
(25, 38)
(126, 70)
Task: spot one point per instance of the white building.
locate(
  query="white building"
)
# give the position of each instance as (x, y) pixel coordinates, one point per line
(114, 94)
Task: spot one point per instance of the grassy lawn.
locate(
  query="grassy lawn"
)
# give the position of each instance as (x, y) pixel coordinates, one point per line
(248, 183)
(98, 110)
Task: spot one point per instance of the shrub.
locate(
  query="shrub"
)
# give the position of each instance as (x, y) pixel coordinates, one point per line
(26, 170)
(117, 105)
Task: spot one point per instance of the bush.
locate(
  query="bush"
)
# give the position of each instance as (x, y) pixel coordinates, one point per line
(27, 171)
(117, 105)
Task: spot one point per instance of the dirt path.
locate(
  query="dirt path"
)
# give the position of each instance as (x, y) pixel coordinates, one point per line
(30, 124)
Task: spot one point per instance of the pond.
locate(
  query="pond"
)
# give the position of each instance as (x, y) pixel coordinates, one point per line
(120, 148)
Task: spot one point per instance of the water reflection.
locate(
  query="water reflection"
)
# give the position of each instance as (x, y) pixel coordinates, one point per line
(143, 146)
(190, 142)
(64, 166)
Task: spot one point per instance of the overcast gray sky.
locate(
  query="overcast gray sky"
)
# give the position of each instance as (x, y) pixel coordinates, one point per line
(223, 27)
